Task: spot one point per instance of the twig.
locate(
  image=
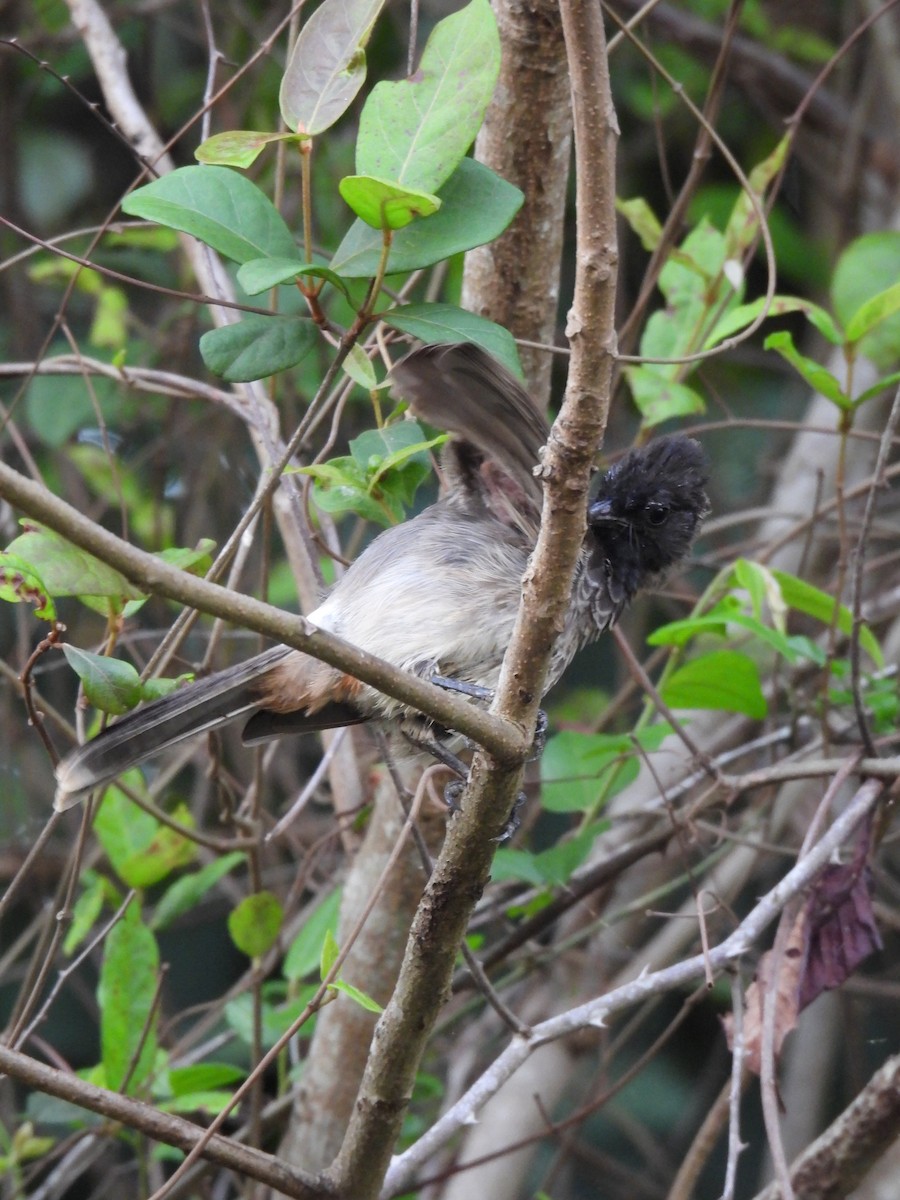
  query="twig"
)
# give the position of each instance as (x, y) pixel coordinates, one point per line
(858, 567)
(596, 1012)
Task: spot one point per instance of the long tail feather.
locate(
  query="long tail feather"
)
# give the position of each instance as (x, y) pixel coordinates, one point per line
(193, 709)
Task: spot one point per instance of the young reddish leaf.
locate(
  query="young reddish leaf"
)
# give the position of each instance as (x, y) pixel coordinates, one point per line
(786, 1000)
(841, 931)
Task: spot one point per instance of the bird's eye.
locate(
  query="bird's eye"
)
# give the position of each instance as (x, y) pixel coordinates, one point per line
(657, 514)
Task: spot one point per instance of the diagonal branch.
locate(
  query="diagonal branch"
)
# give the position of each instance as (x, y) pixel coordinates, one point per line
(462, 869)
(158, 577)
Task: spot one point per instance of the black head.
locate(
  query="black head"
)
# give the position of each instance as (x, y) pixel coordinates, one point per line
(646, 513)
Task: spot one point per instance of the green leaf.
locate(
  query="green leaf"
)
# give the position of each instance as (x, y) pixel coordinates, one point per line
(202, 1077)
(141, 850)
(660, 398)
(187, 892)
(21, 583)
(415, 132)
(643, 220)
(340, 486)
(392, 448)
(723, 680)
(379, 477)
(743, 224)
(873, 312)
(257, 346)
(327, 66)
(437, 323)
(68, 571)
(385, 205)
(716, 622)
(328, 954)
(885, 382)
(256, 922)
(218, 206)
(86, 910)
(356, 994)
(578, 770)
(304, 952)
(276, 1020)
(237, 147)
(554, 866)
(762, 586)
(688, 277)
(869, 266)
(261, 274)
(745, 314)
(125, 994)
(359, 367)
(110, 684)
(476, 206)
(196, 559)
(815, 603)
(815, 375)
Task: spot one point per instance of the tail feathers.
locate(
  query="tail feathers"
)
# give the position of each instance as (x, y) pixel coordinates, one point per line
(193, 709)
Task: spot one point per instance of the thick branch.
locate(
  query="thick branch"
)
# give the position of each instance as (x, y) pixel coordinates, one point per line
(463, 867)
(597, 1012)
(579, 428)
(836, 1163)
(162, 1127)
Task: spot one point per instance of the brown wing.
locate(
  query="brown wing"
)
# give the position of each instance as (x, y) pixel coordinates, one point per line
(498, 430)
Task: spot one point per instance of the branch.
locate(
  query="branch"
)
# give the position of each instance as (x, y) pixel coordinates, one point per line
(158, 577)
(835, 1163)
(596, 1013)
(462, 869)
(162, 1127)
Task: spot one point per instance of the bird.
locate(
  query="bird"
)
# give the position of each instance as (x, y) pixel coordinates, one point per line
(438, 594)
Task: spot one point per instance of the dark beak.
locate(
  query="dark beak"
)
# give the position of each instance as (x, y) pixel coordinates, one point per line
(600, 513)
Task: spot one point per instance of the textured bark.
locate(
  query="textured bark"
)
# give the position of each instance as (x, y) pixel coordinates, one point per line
(340, 1045)
(526, 138)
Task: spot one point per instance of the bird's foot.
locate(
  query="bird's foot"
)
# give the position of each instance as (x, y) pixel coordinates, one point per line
(454, 790)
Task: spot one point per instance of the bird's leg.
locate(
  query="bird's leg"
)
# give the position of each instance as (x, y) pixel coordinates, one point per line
(455, 788)
(474, 690)
(477, 692)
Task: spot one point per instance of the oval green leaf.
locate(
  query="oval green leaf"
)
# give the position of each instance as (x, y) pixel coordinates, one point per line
(723, 680)
(476, 206)
(327, 66)
(255, 924)
(416, 131)
(260, 274)
(218, 206)
(436, 323)
(110, 684)
(385, 205)
(20, 583)
(237, 147)
(126, 996)
(257, 346)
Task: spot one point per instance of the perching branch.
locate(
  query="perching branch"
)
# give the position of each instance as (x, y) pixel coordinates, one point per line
(159, 578)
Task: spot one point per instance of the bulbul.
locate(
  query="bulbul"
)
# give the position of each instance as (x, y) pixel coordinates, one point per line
(438, 595)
